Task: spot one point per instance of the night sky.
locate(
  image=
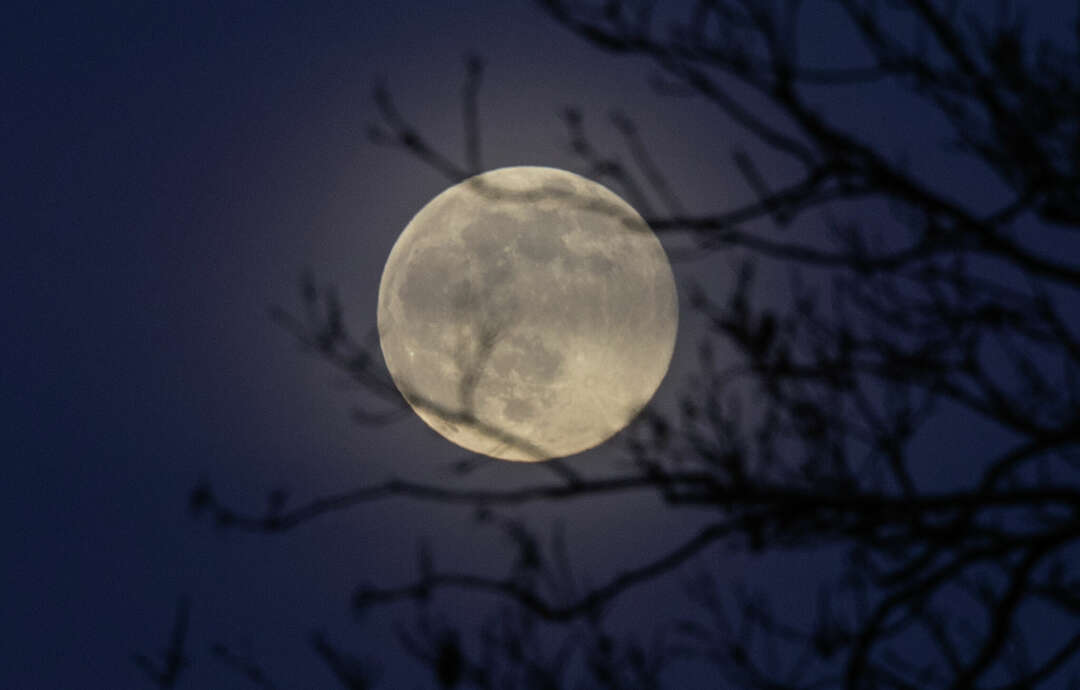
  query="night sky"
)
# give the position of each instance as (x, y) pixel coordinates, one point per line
(171, 171)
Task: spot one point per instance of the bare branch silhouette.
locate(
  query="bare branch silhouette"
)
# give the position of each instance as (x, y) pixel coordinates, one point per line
(352, 673)
(811, 432)
(166, 674)
(251, 671)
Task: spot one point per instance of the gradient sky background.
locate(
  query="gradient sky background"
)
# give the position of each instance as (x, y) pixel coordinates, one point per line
(170, 172)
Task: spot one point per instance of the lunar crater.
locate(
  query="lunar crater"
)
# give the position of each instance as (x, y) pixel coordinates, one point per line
(527, 313)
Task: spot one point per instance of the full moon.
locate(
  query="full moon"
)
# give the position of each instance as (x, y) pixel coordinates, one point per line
(527, 313)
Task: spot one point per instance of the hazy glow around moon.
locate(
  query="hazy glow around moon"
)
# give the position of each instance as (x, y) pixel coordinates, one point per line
(527, 313)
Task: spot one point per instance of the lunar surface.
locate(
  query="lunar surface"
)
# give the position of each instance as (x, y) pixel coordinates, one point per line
(527, 313)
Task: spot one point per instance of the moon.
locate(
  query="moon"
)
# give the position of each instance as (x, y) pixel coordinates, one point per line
(527, 313)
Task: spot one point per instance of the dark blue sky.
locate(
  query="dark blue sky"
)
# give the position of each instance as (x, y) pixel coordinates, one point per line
(170, 170)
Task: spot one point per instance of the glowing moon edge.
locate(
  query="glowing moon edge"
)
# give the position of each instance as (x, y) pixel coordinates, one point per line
(527, 313)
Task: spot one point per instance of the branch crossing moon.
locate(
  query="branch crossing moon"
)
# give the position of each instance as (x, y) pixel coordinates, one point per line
(527, 313)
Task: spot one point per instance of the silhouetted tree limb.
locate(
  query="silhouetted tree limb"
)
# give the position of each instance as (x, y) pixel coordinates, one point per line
(251, 671)
(352, 673)
(804, 437)
(167, 673)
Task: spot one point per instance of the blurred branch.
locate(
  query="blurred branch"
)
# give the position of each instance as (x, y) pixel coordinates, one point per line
(166, 673)
(808, 435)
(350, 672)
(243, 666)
